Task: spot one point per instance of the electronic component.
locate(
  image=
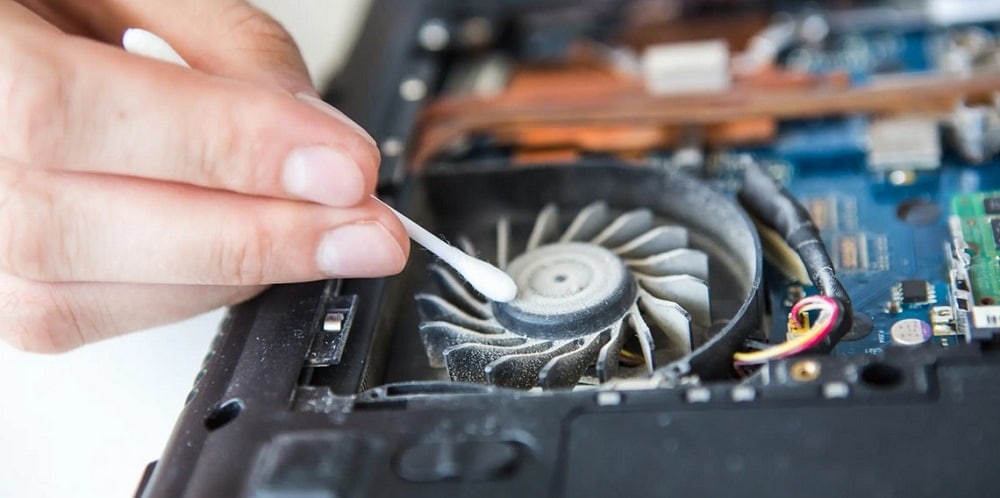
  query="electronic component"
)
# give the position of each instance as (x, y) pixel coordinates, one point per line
(904, 143)
(974, 131)
(959, 260)
(833, 212)
(980, 231)
(910, 332)
(914, 292)
(683, 68)
(942, 320)
(860, 252)
(985, 323)
(991, 204)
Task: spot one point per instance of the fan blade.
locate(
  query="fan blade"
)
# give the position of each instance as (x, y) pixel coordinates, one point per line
(455, 292)
(671, 319)
(625, 228)
(676, 262)
(439, 336)
(644, 335)
(607, 358)
(467, 247)
(433, 308)
(467, 362)
(685, 290)
(658, 240)
(503, 241)
(546, 227)
(565, 370)
(588, 223)
(520, 371)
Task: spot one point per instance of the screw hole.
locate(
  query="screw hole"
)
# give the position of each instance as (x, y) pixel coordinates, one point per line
(223, 414)
(881, 375)
(805, 370)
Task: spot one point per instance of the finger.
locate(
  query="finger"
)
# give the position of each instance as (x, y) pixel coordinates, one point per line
(51, 318)
(101, 228)
(61, 17)
(72, 103)
(228, 38)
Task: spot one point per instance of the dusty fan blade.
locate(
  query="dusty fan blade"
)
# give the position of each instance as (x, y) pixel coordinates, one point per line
(439, 336)
(433, 308)
(670, 318)
(644, 335)
(520, 371)
(625, 228)
(588, 223)
(503, 242)
(676, 262)
(454, 291)
(467, 362)
(658, 240)
(689, 292)
(607, 358)
(565, 370)
(546, 227)
(467, 246)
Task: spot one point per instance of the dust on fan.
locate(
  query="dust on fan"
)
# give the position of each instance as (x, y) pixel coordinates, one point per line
(588, 297)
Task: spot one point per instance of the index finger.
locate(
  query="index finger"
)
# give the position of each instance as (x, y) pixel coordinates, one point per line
(84, 106)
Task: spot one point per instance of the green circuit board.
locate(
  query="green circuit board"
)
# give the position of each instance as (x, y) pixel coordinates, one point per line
(980, 217)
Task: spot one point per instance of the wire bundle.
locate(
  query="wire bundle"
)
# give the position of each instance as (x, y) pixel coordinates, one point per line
(778, 210)
(811, 333)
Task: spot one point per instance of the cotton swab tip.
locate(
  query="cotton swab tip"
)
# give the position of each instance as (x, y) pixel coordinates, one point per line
(141, 42)
(490, 281)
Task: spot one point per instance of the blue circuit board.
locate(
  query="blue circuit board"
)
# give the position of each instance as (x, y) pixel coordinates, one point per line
(903, 229)
(864, 55)
(880, 231)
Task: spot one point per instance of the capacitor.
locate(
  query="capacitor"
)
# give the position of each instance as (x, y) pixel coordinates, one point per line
(911, 331)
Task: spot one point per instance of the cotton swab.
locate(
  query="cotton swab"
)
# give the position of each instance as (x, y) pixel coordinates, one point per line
(489, 280)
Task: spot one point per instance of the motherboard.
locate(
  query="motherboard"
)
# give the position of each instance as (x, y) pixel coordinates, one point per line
(757, 250)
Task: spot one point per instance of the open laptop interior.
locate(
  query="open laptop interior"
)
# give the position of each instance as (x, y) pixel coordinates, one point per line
(757, 246)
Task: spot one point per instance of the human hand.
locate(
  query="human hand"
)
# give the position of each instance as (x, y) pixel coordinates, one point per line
(134, 192)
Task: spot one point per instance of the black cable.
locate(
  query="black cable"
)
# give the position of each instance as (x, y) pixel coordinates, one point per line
(774, 206)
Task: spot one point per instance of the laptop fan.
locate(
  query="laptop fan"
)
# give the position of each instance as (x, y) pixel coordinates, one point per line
(584, 293)
(605, 291)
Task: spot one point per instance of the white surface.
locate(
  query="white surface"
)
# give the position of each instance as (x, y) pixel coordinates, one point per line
(323, 29)
(86, 423)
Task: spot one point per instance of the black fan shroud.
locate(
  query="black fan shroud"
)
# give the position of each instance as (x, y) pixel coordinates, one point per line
(466, 203)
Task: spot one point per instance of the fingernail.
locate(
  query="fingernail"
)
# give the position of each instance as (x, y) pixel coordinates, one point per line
(359, 250)
(335, 113)
(324, 175)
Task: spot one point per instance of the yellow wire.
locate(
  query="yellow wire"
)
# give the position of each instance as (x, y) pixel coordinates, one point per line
(823, 321)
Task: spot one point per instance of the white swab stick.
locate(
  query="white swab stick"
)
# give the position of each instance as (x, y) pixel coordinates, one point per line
(489, 280)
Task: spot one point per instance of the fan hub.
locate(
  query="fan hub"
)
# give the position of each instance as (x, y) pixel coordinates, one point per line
(566, 290)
